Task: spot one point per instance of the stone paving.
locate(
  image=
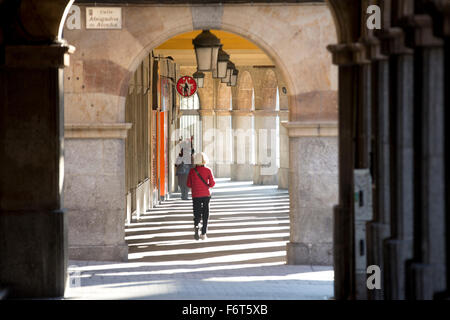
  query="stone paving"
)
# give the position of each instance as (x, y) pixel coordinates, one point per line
(242, 259)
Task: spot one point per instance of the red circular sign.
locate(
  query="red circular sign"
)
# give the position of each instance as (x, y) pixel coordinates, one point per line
(186, 86)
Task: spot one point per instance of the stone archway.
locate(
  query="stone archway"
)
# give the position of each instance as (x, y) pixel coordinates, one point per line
(97, 81)
(29, 31)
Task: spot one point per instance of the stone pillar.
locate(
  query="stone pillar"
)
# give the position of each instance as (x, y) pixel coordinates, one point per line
(207, 117)
(95, 188)
(446, 16)
(208, 134)
(283, 170)
(398, 248)
(265, 170)
(265, 119)
(224, 145)
(33, 224)
(379, 228)
(346, 56)
(313, 189)
(243, 146)
(283, 115)
(428, 271)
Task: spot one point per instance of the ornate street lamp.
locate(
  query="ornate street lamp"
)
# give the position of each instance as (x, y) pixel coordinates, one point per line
(206, 47)
(230, 68)
(199, 77)
(222, 63)
(233, 78)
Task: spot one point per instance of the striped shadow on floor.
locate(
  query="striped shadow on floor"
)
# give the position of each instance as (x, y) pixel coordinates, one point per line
(247, 224)
(243, 258)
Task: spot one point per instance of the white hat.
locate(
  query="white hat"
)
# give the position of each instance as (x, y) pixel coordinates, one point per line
(200, 159)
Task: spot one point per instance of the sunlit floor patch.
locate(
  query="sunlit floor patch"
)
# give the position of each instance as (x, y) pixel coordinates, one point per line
(244, 257)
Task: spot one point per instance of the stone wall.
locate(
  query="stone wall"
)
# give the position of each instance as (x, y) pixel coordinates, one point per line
(313, 179)
(95, 201)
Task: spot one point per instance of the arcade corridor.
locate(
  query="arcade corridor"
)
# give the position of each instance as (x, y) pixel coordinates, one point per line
(243, 257)
(363, 127)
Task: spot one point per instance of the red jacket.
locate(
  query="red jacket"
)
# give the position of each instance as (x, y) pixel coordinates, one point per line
(199, 189)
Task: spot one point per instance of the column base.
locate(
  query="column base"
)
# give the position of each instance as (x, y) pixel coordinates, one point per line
(242, 172)
(320, 254)
(397, 253)
(260, 179)
(33, 253)
(117, 252)
(376, 234)
(421, 281)
(222, 170)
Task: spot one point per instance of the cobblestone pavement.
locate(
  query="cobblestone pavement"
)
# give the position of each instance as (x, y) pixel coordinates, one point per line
(242, 259)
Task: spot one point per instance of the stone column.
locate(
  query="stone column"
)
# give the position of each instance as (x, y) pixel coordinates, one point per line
(346, 56)
(379, 228)
(428, 271)
(446, 33)
(208, 134)
(223, 144)
(265, 119)
(283, 170)
(283, 115)
(207, 117)
(313, 188)
(243, 146)
(265, 170)
(398, 248)
(33, 224)
(95, 170)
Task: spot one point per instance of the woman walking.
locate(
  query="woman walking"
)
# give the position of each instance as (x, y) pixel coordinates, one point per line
(200, 179)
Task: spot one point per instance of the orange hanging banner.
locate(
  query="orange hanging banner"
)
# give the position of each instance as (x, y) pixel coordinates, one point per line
(162, 155)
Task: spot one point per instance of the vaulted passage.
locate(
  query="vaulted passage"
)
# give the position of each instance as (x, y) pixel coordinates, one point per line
(244, 256)
(247, 224)
(363, 122)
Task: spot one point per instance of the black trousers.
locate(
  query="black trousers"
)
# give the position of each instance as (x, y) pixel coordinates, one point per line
(201, 211)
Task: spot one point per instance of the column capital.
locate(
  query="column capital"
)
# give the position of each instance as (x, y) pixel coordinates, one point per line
(206, 112)
(242, 113)
(420, 31)
(222, 112)
(373, 48)
(96, 130)
(446, 17)
(56, 55)
(393, 42)
(311, 128)
(348, 54)
(265, 113)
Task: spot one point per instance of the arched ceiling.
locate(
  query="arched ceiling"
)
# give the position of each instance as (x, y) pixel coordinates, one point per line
(241, 51)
